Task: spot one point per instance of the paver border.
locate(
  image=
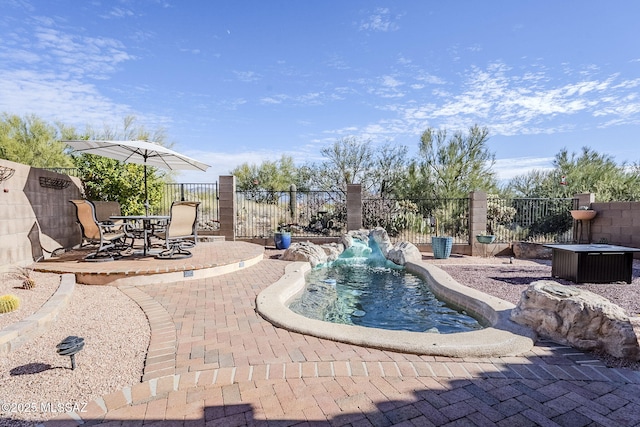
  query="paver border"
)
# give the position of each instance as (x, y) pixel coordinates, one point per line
(21, 332)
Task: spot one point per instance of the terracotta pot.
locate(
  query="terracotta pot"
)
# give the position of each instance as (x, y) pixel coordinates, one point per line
(583, 214)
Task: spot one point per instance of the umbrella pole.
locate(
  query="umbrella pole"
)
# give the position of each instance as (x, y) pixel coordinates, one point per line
(146, 195)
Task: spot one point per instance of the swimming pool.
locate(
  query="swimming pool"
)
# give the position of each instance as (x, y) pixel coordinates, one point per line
(500, 337)
(372, 292)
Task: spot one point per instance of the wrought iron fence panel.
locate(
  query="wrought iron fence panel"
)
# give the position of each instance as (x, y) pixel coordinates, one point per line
(205, 193)
(417, 220)
(539, 220)
(304, 214)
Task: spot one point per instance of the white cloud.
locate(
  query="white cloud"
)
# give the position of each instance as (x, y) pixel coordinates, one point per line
(248, 76)
(507, 169)
(380, 20)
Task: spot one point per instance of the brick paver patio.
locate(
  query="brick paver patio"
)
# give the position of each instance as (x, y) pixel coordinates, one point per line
(214, 361)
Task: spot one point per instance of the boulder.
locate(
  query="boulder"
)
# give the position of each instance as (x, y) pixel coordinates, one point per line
(361, 235)
(576, 317)
(403, 252)
(381, 237)
(332, 250)
(527, 250)
(305, 251)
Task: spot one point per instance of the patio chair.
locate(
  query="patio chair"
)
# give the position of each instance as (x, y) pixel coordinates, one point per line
(110, 238)
(105, 210)
(181, 231)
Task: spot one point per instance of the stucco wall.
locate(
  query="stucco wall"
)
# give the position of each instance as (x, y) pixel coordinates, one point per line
(34, 218)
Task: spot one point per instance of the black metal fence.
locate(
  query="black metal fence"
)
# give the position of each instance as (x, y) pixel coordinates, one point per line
(534, 220)
(205, 193)
(417, 220)
(518, 219)
(304, 214)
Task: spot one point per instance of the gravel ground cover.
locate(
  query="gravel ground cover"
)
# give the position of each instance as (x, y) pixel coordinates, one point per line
(498, 277)
(30, 299)
(35, 380)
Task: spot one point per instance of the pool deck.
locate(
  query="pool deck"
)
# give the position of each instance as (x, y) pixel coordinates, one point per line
(213, 360)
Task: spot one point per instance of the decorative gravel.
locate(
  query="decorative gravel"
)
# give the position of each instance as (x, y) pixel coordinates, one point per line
(34, 379)
(30, 299)
(497, 277)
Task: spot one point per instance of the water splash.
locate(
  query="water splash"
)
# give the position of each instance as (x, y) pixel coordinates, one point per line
(363, 253)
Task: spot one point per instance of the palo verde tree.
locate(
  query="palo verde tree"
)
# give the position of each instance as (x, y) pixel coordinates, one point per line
(349, 160)
(587, 172)
(32, 141)
(451, 166)
(265, 180)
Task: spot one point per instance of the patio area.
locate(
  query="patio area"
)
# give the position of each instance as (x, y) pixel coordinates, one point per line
(212, 360)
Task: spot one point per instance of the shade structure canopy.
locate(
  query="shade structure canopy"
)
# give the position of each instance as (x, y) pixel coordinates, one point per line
(140, 152)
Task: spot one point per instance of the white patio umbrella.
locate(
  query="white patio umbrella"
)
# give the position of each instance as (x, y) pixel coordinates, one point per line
(139, 152)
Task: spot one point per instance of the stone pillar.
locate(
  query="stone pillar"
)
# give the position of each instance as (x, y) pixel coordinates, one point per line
(227, 207)
(354, 207)
(477, 219)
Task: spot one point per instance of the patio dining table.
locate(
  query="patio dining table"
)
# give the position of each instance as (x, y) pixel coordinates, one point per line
(148, 224)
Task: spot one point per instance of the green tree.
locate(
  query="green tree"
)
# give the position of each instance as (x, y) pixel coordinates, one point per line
(451, 167)
(108, 179)
(349, 160)
(31, 141)
(389, 169)
(587, 172)
(268, 176)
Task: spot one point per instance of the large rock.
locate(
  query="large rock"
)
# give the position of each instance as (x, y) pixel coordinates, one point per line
(347, 239)
(576, 317)
(403, 252)
(305, 251)
(333, 250)
(527, 250)
(381, 237)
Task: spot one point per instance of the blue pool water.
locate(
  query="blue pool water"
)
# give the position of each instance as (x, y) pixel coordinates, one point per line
(363, 288)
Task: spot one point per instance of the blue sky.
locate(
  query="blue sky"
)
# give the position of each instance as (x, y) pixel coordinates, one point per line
(244, 81)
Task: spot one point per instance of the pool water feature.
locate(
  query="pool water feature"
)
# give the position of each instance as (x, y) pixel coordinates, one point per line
(363, 288)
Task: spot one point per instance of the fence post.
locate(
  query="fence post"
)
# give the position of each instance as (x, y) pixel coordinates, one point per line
(354, 207)
(477, 219)
(227, 207)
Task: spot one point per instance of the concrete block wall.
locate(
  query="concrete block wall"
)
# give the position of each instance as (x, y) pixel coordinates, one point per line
(35, 220)
(617, 223)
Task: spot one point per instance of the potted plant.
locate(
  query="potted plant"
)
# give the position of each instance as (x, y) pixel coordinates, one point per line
(583, 213)
(282, 238)
(440, 245)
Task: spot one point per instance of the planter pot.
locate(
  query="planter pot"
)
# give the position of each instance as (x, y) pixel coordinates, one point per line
(583, 215)
(282, 240)
(485, 238)
(441, 247)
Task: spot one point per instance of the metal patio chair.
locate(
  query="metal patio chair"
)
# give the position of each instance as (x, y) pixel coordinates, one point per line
(181, 231)
(110, 238)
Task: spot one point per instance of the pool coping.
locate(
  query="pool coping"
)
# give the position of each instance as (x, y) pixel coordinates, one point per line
(502, 337)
